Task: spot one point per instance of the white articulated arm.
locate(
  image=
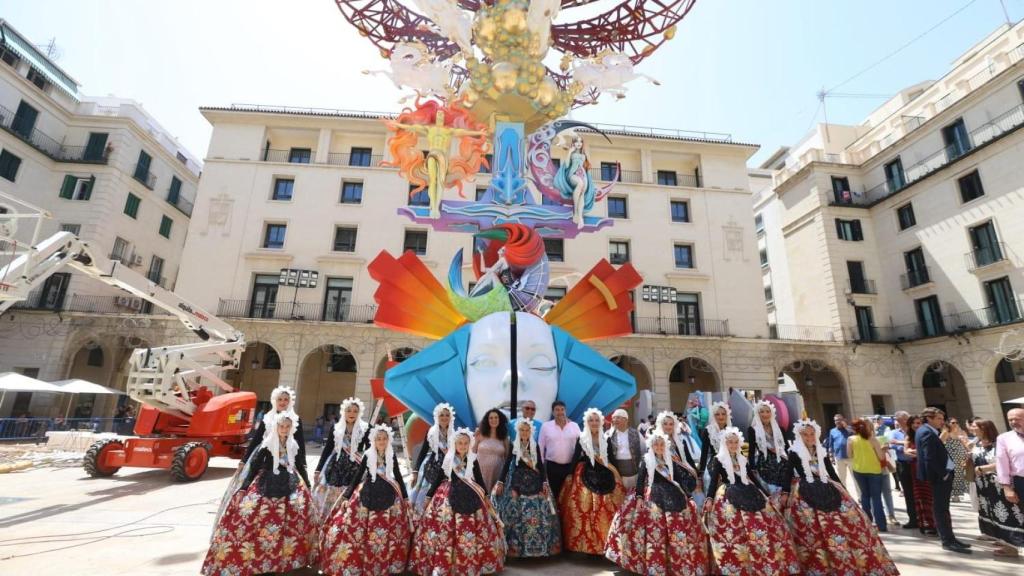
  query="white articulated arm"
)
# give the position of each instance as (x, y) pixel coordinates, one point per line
(163, 376)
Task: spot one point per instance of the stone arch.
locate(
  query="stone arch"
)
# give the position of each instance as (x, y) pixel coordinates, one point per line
(327, 375)
(1008, 378)
(94, 362)
(259, 371)
(398, 354)
(944, 387)
(688, 375)
(820, 384)
(640, 372)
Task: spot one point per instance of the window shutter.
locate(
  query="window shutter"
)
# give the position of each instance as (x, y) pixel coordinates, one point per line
(88, 190)
(839, 229)
(857, 234)
(67, 189)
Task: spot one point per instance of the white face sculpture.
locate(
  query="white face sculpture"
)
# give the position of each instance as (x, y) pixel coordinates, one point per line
(488, 367)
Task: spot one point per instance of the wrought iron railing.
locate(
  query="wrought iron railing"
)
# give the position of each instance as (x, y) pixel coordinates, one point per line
(356, 160)
(981, 257)
(20, 128)
(271, 155)
(863, 286)
(143, 175)
(915, 277)
(681, 326)
(310, 311)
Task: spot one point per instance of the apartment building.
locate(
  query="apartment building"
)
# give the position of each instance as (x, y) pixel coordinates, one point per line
(907, 231)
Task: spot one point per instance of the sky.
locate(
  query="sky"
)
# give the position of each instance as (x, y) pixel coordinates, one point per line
(749, 68)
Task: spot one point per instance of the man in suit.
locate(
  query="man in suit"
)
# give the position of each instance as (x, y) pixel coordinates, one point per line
(936, 467)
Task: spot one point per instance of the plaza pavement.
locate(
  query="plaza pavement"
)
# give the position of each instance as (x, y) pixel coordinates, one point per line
(60, 522)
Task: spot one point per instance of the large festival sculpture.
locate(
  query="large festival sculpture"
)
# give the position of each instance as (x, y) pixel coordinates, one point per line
(483, 99)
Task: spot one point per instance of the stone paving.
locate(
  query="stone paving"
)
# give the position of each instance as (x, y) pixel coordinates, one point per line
(60, 522)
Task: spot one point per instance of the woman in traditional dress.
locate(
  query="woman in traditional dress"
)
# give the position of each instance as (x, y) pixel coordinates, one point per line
(748, 535)
(658, 532)
(459, 533)
(369, 532)
(270, 523)
(832, 534)
(922, 489)
(340, 459)
(524, 502)
(590, 499)
(428, 465)
(681, 453)
(767, 452)
(282, 399)
(710, 436)
(492, 446)
(999, 520)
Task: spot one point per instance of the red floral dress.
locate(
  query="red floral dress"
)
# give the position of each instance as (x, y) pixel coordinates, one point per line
(588, 503)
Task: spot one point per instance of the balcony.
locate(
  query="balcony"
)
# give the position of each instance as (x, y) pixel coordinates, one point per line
(184, 205)
(807, 333)
(356, 160)
(144, 176)
(47, 145)
(862, 286)
(89, 304)
(871, 334)
(915, 278)
(271, 155)
(309, 311)
(985, 317)
(987, 256)
(625, 176)
(681, 327)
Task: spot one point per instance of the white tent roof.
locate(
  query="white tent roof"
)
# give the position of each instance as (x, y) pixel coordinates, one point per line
(78, 386)
(13, 382)
(1015, 401)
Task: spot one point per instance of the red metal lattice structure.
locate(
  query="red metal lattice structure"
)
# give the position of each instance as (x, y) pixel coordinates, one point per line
(633, 27)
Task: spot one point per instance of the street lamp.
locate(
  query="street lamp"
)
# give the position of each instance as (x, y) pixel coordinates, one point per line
(661, 295)
(299, 278)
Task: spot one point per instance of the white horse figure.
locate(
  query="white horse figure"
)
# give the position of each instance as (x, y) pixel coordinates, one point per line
(608, 72)
(411, 66)
(453, 22)
(539, 17)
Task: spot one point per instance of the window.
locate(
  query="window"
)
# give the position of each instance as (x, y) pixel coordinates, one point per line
(300, 155)
(120, 251)
(96, 147)
(1002, 306)
(36, 78)
(131, 205)
(554, 293)
(75, 229)
(272, 361)
(929, 316)
(758, 223)
(263, 302)
(142, 167)
(75, 188)
(683, 255)
(54, 290)
(985, 244)
(344, 239)
(894, 176)
(618, 252)
(611, 171)
(957, 140)
(917, 271)
(24, 120)
(768, 296)
(156, 269)
(841, 190)
(95, 357)
(688, 314)
(9, 164)
(617, 207)
(859, 284)
(421, 198)
(351, 192)
(480, 191)
(555, 249)
(763, 253)
(181, 158)
(283, 188)
(970, 187)
(360, 156)
(337, 299)
(174, 192)
(9, 57)
(865, 324)
(667, 178)
(165, 226)
(849, 230)
(341, 360)
(680, 210)
(905, 215)
(415, 240)
(273, 236)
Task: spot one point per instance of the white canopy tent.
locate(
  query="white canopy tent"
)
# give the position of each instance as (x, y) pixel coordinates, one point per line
(1015, 401)
(14, 382)
(79, 386)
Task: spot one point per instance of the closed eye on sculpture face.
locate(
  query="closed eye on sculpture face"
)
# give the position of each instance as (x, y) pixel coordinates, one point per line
(542, 363)
(483, 362)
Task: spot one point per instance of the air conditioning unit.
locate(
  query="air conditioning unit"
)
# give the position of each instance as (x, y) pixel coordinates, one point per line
(124, 301)
(136, 260)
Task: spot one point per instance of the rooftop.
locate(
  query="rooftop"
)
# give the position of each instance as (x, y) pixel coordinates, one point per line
(41, 63)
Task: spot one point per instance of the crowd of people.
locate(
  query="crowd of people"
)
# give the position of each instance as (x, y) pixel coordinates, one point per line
(658, 499)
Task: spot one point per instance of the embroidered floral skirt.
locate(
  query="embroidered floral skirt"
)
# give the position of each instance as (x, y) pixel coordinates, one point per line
(647, 540)
(587, 516)
(325, 499)
(532, 529)
(842, 542)
(749, 543)
(357, 541)
(451, 544)
(258, 534)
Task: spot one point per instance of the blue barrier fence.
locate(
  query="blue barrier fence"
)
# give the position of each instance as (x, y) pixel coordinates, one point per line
(35, 429)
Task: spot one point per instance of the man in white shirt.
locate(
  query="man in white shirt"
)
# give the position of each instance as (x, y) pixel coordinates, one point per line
(557, 443)
(624, 448)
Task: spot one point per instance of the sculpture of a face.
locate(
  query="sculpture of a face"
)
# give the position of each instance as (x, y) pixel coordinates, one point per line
(488, 363)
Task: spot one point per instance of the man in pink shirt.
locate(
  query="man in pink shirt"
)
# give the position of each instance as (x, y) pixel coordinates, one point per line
(557, 443)
(1010, 457)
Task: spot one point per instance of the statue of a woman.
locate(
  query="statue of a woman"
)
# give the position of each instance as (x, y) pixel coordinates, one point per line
(574, 182)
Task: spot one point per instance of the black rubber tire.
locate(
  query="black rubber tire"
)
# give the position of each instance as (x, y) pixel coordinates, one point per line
(91, 460)
(181, 456)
